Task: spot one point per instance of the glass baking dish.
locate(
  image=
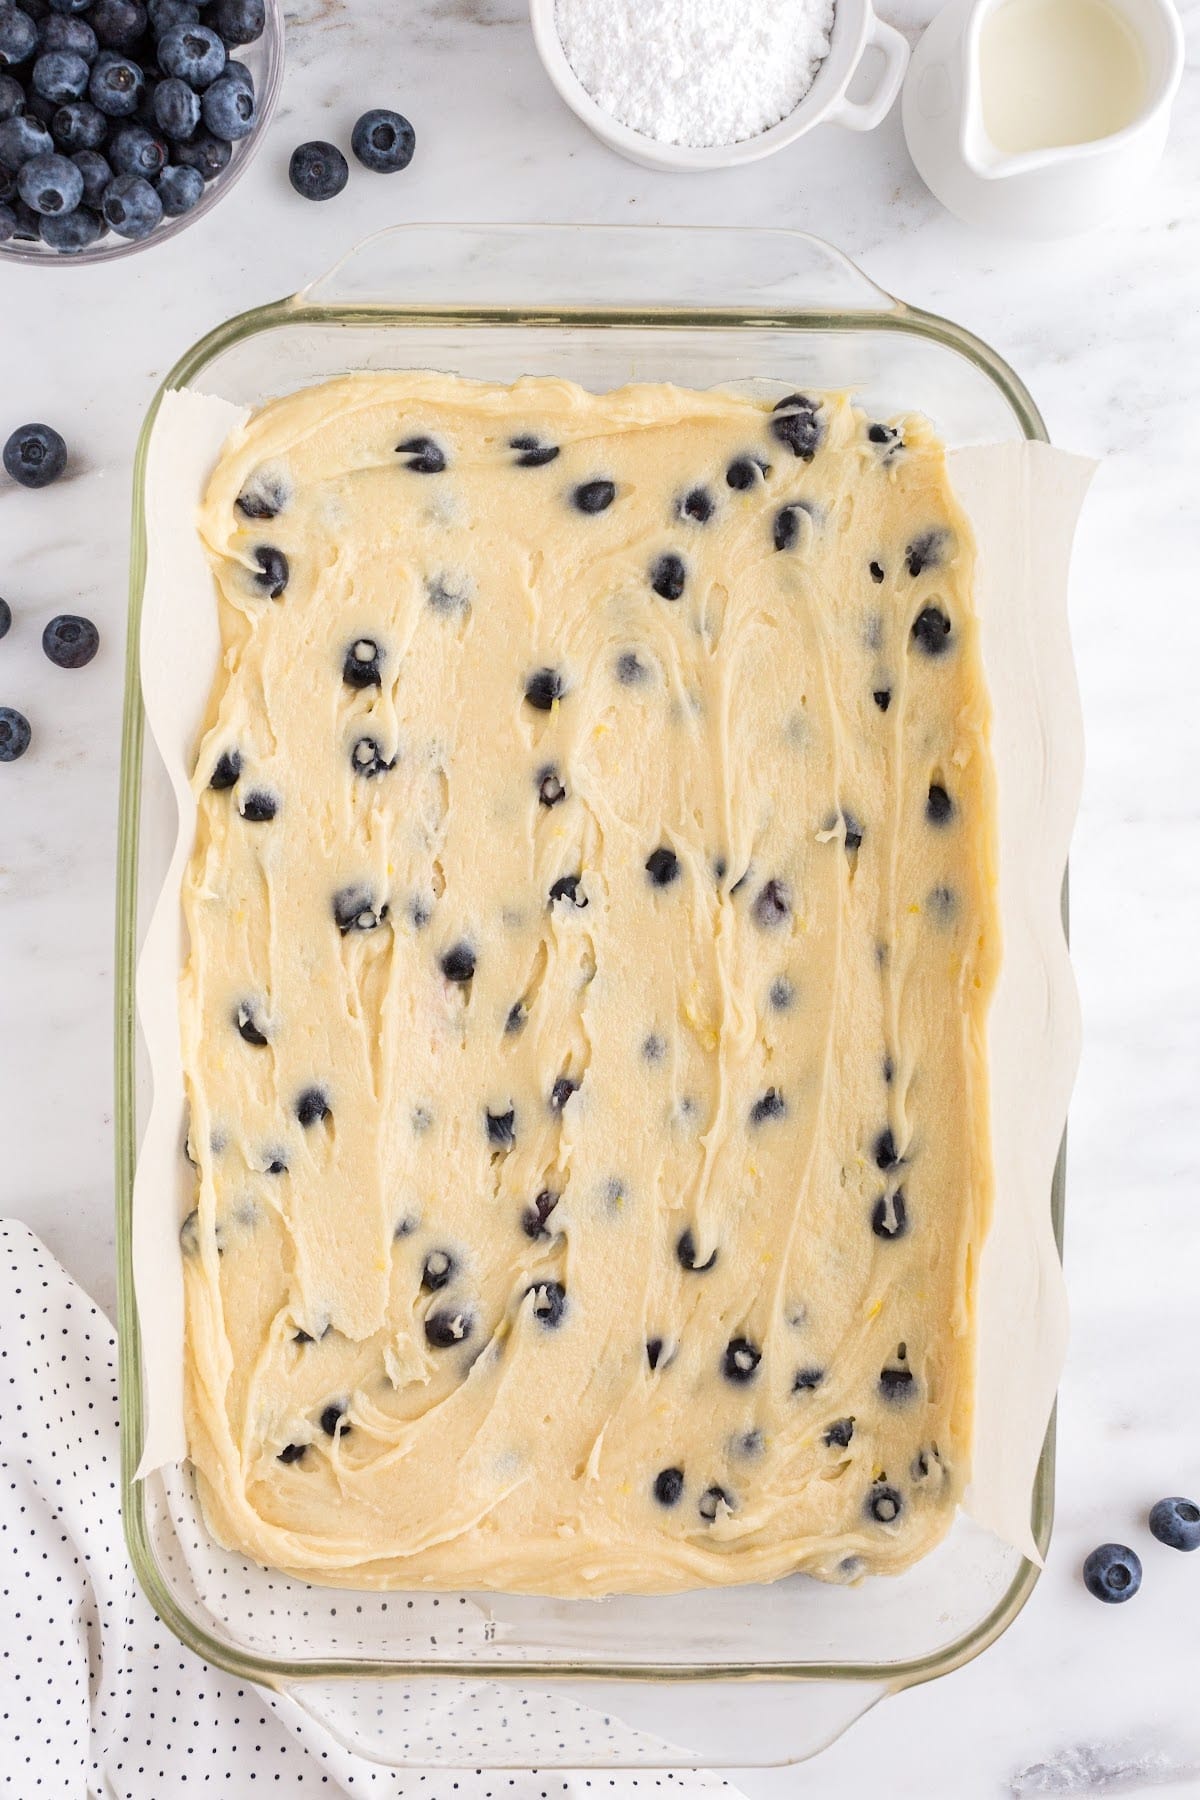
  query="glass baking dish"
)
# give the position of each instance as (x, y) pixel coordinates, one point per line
(743, 1677)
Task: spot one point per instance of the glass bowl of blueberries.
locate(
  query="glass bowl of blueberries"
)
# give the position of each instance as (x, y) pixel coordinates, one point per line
(123, 121)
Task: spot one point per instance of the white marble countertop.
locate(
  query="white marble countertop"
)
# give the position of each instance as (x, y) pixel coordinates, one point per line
(1106, 332)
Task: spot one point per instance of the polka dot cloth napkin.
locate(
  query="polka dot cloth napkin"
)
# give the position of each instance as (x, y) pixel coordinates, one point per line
(97, 1699)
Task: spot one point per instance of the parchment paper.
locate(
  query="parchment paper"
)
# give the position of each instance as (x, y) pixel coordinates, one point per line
(1023, 501)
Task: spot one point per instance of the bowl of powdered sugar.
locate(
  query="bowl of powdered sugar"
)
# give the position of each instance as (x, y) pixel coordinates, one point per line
(704, 84)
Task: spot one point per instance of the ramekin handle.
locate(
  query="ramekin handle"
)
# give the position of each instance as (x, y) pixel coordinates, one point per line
(864, 115)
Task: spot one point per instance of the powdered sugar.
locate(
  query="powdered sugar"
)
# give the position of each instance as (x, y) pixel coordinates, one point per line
(696, 72)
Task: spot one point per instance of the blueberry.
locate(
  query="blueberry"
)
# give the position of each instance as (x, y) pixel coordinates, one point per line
(630, 671)
(896, 1385)
(938, 806)
(243, 1018)
(852, 832)
(768, 1106)
(438, 1270)
(179, 189)
(654, 1350)
(273, 570)
(686, 1253)
(745, 471)
(838, 1435)
(931, 631)
(807, 1379)
(667, 576)
(884, 1504)
(925, 552)
(164, 15)
(515, 1019)
(531, 452)
(334, 1422)
(35, 455)
(176, 108)
(383, 141)
(711, 1501)
(39, 110)
(263, 498)
(458, 963)
(567, 888)
(741, 1359)
(561, 1092)
(236, 71)
(668, 1487)
(206, 153)
(1176, 1522)
(21, 139)
(1113, 1573)
(533, 1219)
(292, 1453)
(80, 126)
(889, 1215)
(193, 52)
(796, 422)
(697, 504)
(116, 85)
(14, 734)
(60, 75)
(781, 994)
(593, 496)
(355, 910)
(360, 666)
(230, 110)
(312, 1107)
(662, 866)
(501, 1128)
(447, 1328)
(70, 641)
(875, 570)
(118, 24)
(424, 456)
(239, 21)
(50, 184)
(549, 1303)
(772, 905)
(367, 759)
(5, 618)
(132, 207)
(884, 434)
(133, 150)
(550, 788)
(18, 36)
(258, 808)
(543, 688)
(228, 768)
(882, 698)
(884, 1150)
(12, 98)
(654, 1048)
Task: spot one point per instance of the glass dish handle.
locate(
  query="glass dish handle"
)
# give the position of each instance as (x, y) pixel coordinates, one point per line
(548, 270)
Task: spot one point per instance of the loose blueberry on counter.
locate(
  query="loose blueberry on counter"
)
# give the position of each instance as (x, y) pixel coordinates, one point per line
(424, 456)
(685, 1252)
(768, 1106)
(354, 910)
(383, 141)
(561, 1092)
(711, 1502)
(458, 963)
(60, 75)
(501, 1127)
(897, 1385)
(531, 452)
(668, 576)
(205, 153)
(334, 1422)
(796, 422)
(367, 759)
(259, 807)
(806, 1380)
(18, 36)
(925, 552)
(230, 110)
(550, 788)
(131, 207)
(96, 174)
(567, 888)
(360, 666)
(543, 688)
(273, 572)
(1113, 1573)
(741, 1359)
(593, 496)
(179, 189)
(882, 698)
(745, 471)
(5, 618)
(668, 1487)
(772, 905)
(239, 21)
(447, 1328)
(70, 641)
(533, 1219)
(244, 1020)
(1176, 1523)
(549, 1302)
(889, 1215)
(228, 768)
(318, 170)
(35, 455)
(662, 866)
(697, 504)
(292, 1453)
(312, 1107)
(838, 1435)
(73, 231)
(15, 734)
(884, 1150)
(116, 86)
(884, 1504)
(437, 1271)
(938, 805)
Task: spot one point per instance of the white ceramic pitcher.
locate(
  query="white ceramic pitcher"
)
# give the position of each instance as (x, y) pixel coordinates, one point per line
(1034, 193)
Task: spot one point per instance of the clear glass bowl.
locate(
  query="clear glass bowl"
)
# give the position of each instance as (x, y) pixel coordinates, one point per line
(736, 1677)
(264, 59)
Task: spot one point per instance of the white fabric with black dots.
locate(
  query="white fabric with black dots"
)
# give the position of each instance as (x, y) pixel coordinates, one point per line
(96, 1697)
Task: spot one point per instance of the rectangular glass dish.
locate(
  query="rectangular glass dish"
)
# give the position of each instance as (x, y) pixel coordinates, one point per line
(423, 1679)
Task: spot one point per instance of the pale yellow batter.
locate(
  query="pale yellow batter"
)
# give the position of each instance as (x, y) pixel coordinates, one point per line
(591, 935)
